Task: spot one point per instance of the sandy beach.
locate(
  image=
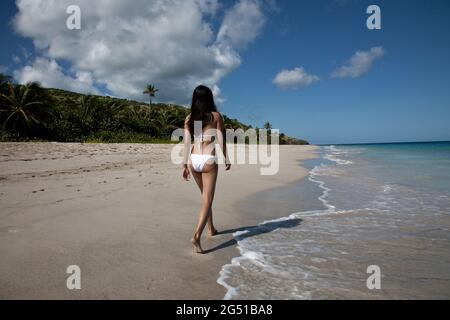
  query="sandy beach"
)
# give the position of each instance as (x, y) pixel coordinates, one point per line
(123, 214)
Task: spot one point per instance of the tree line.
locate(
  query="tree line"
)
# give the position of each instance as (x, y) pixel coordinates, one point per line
(29, 112)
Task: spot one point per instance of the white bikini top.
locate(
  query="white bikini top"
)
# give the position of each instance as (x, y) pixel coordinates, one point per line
(204, 138)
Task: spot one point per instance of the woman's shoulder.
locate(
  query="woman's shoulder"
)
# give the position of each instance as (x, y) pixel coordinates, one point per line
(187, 118)
(217, 115)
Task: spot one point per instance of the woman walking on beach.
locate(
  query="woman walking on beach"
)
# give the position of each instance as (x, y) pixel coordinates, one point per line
(206, 126)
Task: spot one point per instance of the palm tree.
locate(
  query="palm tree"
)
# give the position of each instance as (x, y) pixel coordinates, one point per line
(4, 80)
(267, 126)
(24, 106)
(151, 91)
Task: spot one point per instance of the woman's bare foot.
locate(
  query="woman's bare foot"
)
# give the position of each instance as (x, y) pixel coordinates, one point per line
(197, 246)
(213, 232)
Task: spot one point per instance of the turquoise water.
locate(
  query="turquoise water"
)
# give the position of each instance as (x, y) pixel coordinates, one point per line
(386, 205)
(417, 175)
(416, 165)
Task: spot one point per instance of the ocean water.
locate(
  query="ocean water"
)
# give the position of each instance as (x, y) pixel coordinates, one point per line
(386, 205)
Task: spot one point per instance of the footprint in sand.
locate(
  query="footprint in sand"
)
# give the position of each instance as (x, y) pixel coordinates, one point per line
(36, 191)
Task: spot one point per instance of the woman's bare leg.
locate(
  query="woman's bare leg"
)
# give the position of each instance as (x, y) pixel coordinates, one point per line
(212, 231)
(209, 178)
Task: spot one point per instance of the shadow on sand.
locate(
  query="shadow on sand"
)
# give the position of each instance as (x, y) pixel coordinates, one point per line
(251, 231)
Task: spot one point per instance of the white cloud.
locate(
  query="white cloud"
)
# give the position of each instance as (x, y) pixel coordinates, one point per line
(218, 97)
(245, 15)
(294, 79)
(124, 45)
(51, 75)
(359, 64)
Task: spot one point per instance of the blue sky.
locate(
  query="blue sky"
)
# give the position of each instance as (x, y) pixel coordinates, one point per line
(402, 94)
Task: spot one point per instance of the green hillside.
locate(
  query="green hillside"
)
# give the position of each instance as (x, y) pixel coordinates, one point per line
(30, 112)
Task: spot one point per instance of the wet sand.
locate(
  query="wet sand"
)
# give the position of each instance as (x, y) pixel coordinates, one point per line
(123, 214)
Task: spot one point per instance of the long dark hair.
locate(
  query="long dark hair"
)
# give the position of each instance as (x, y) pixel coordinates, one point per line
(202, 107)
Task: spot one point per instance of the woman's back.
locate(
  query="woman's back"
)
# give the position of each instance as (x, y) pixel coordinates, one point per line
(205, 137)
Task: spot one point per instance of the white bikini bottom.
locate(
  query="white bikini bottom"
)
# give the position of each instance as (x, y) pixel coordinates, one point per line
(199, 160)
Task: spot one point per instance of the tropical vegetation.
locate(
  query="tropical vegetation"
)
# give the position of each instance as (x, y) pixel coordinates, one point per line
(32, 113)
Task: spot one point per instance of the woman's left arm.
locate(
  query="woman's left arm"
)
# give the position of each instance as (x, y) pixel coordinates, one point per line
(187, 149)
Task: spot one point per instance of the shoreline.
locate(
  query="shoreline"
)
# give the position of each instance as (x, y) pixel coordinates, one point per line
(367, 219)
(110, 209)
